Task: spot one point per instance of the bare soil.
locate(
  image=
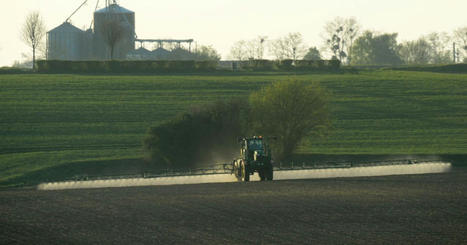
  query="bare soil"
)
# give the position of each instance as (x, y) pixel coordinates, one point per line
(415, 209)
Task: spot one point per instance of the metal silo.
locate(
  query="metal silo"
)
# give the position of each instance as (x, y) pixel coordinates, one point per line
(64, 42)
(109, 23)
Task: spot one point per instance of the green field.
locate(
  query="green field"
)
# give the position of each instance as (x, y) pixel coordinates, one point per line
(68, 124)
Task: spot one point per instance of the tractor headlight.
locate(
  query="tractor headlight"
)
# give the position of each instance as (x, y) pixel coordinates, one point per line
(256, 156)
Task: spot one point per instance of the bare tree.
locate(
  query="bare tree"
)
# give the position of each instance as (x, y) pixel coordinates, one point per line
(417, 52)
(260, 41)
(339, 37)
(112, 31)
(434, 48)
(288, 47)
(460, 37)
(239, 50)
(250, 49)
(440, 47)
(255, 47)
(32, 33)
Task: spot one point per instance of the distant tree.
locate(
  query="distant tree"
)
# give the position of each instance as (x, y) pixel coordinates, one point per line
(312, 54)
(18, 64)
(339, 36)
(33, 33)
(238, 50)
(460, 37)
(288, 47)
(441, 47)
(289, 110)
(206, 53)
(249, 49)
(260, 42)
(113, 30)
(373, 49)
(337, 44)
(416, 52)
(255, 47)
(434, 48)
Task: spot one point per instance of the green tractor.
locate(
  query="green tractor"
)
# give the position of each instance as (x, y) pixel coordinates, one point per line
(255, 157)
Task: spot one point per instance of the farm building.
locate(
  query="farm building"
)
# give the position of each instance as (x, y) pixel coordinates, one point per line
(112, 36)
(67, 42)
(108, 23)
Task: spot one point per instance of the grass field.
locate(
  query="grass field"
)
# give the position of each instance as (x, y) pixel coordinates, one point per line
(71, 124)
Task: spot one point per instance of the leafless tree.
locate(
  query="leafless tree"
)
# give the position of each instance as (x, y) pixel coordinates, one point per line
(259, 46)
(339, 36)
(418, 52)
(239, 50)
(460, 37)
(112, 31)
(441, 45)
(288, 47)
(250, 49)
(32, 33)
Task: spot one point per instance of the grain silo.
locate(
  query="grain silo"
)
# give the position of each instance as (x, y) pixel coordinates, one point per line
(114, 28)
(65, 42)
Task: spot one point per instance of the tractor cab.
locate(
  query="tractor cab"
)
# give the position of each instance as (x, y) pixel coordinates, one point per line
(254, 146)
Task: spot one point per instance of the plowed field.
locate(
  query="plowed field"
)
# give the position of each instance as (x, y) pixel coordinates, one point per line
(414, 209)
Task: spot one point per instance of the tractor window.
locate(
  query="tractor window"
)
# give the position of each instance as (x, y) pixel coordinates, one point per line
(255, 145)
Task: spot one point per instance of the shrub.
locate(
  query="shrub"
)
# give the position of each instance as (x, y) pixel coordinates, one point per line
(205, 135)
(289, 110)
(452, 68)
(115, 66)
(286, 65)
(162, 66)
(14, 70)
(258, 65)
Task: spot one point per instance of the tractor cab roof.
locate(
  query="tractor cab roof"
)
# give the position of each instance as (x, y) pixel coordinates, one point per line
(255, 138)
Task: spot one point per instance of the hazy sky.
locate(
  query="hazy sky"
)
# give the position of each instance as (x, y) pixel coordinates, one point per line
(222, 22)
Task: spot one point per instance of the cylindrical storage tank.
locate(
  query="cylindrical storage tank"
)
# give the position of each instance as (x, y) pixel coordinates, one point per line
(114, 28)
(64, 42)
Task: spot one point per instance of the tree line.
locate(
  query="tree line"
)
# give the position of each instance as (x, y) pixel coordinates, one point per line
(344, 39)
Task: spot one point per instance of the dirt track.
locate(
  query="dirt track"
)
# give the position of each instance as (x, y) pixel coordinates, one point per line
(395, 209)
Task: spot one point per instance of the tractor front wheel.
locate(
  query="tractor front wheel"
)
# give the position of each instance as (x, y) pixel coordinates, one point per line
(237, 169)
(262, 174)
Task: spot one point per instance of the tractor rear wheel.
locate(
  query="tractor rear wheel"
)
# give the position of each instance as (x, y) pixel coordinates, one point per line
(269, 173)
(245, 173)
